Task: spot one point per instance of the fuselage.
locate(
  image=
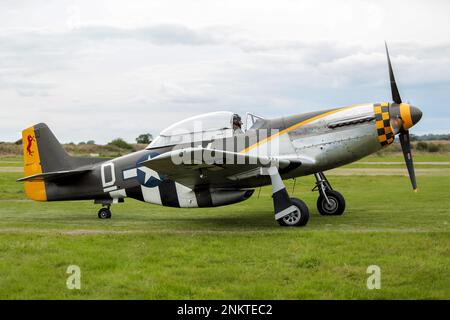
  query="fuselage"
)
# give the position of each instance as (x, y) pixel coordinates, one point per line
(319, 140)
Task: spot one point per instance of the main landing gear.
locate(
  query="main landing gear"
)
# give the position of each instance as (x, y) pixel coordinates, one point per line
(299, 217)
(294, 212)
(288, 211)
(330, 202)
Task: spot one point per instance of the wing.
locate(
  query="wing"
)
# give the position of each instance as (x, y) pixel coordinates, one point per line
(196, 166)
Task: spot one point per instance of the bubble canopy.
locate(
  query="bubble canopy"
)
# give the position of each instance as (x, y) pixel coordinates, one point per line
(207, 126)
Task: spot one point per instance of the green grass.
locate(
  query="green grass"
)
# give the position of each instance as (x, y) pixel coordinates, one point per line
(11, 161)
(396, 166)
(233, 252)
(10, 164)
(418, 156)
(12, 158)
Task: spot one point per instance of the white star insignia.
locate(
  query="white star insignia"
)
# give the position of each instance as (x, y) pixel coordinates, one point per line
(148, 173)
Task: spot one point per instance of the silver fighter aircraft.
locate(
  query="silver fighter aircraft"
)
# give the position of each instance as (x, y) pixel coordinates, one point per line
(213, 160)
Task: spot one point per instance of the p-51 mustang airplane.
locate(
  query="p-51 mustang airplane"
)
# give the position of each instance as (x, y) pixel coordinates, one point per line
(208, 160)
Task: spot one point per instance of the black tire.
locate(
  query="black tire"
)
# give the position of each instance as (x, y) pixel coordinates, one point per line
(297, 219)
(337, 206)
(104, 213)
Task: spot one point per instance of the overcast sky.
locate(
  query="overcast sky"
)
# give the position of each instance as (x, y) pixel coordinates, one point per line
(105, 69)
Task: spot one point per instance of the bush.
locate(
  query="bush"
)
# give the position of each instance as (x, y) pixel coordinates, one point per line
(432, 147)
(119, 142)
(422, 146)
(427, 146)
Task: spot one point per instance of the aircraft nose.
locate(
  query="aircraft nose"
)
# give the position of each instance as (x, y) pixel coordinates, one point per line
(416, 114)
(409, 114)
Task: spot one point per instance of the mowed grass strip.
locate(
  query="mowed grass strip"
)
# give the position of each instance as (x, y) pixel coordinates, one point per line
(239, 251)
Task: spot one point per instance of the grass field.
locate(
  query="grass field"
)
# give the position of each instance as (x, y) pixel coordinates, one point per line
(234, 252)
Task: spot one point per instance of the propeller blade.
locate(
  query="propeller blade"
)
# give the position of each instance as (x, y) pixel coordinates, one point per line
(395, 94)
(406, 148)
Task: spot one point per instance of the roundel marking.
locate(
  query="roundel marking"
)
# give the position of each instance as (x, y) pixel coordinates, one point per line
(146, 176)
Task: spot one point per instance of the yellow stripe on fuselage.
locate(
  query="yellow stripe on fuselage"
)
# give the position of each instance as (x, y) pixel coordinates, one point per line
(295, 126)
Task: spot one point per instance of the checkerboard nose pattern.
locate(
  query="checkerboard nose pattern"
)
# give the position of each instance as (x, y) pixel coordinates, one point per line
(383, 123)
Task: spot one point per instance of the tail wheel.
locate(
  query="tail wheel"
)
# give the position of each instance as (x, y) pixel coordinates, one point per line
(297, 218)
(104, 213)
(335, 206)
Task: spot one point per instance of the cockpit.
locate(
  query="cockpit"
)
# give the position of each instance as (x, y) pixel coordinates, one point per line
(204, 127)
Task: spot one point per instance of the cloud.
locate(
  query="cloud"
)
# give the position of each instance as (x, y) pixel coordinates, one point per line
(133, 79)
(19, 40)
(163, 34)
(26, 54)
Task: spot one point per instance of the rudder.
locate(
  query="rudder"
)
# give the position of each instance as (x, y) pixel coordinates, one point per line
(42, 153)
(32, 165)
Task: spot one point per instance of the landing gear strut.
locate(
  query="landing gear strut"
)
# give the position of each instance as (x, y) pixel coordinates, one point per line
(330, 202)
(104, 213)
(288, 211)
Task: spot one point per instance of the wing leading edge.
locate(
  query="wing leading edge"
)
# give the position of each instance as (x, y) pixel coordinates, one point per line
(192, 166)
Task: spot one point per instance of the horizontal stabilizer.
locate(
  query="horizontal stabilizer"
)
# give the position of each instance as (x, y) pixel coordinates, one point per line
(52, 176)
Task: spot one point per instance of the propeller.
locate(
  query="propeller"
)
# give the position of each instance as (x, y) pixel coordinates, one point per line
(406, 148)
(403, 116)
(395, 94)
